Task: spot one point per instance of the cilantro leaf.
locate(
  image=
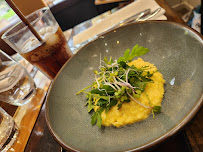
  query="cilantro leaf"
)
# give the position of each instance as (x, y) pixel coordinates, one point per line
(123, 64)
(96, 118)
(117, 81)
(109, 89)
(97, 91)
(127, 54)
(99, 119)
(140, 85)
(113, 102)
(102, 103)
(121, 59)
(157, 109)
(103, 90)
(136, 51)
(119, 105)
(128, 100)
(90, 106)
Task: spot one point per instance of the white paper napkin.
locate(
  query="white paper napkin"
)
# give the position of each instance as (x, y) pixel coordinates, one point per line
(120, 15)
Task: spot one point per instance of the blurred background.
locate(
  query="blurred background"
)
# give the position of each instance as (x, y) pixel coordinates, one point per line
(70, 13)
(189, 11)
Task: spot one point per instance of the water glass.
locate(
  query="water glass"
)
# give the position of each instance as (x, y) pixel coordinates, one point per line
(8, 130)
(16, 85)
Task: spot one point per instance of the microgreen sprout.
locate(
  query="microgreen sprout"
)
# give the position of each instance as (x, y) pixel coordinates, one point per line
(117, 83)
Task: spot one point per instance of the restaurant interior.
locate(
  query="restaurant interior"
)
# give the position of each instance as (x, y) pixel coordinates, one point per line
(79, 20)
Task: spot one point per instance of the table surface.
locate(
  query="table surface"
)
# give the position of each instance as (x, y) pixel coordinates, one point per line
(34, 135)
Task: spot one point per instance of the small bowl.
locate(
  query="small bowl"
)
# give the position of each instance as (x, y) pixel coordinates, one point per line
(175, 49)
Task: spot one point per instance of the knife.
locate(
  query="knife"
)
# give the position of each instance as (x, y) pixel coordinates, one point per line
(141, 16)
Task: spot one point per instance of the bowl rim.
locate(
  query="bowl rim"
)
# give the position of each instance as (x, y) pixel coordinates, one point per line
(152, 143)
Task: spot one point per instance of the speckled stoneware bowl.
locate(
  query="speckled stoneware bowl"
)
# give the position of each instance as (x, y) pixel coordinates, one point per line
(176, 50)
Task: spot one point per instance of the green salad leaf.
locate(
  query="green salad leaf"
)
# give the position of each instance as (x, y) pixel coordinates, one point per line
(136, 51)
(117, 83)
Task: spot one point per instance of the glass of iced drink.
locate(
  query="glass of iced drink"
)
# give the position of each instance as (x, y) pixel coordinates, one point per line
(16, 85)
(50, 54)
(8, 130)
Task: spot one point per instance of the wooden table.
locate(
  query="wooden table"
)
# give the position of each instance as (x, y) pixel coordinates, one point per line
(34, 135)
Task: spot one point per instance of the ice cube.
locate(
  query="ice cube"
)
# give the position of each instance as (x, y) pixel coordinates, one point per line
(49, 29)
(30, 44)
(42, 31)
(34, 42)
(53, 40)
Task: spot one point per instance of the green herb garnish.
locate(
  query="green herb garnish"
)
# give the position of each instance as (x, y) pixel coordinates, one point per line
(116, 83)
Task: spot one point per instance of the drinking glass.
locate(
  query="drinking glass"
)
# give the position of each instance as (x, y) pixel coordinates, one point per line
(16, 85)
(48, 56)
(8, 131)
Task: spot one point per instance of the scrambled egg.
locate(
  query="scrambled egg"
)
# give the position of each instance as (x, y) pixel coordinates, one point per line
(132, 112)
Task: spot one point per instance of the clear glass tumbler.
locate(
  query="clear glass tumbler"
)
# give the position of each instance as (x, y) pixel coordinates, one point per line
(48, 56)
(16, 85)
(8, 131)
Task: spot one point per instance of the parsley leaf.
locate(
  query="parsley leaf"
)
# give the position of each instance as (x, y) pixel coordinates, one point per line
(123, 64)
(157, 109)
(103, 90)
(127, 54)
(96, 117)
(90, 106)
(116, 83)
(136, 51)
(113, 102)
(102, 103)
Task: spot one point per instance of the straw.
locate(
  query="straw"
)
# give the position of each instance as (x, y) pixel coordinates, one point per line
(22, 17)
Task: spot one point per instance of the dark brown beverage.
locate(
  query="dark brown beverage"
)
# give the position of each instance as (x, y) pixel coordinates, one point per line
(50, 56)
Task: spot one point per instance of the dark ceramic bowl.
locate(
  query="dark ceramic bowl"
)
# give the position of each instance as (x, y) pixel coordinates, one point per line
(175, 49)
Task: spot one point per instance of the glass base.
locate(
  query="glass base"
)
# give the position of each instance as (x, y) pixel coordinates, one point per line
(9, 142)
(25, 100)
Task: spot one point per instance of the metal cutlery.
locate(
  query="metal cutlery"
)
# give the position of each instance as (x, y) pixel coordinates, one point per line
(141, 16)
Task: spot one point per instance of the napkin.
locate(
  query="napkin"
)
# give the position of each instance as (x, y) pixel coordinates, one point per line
(125, 12)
